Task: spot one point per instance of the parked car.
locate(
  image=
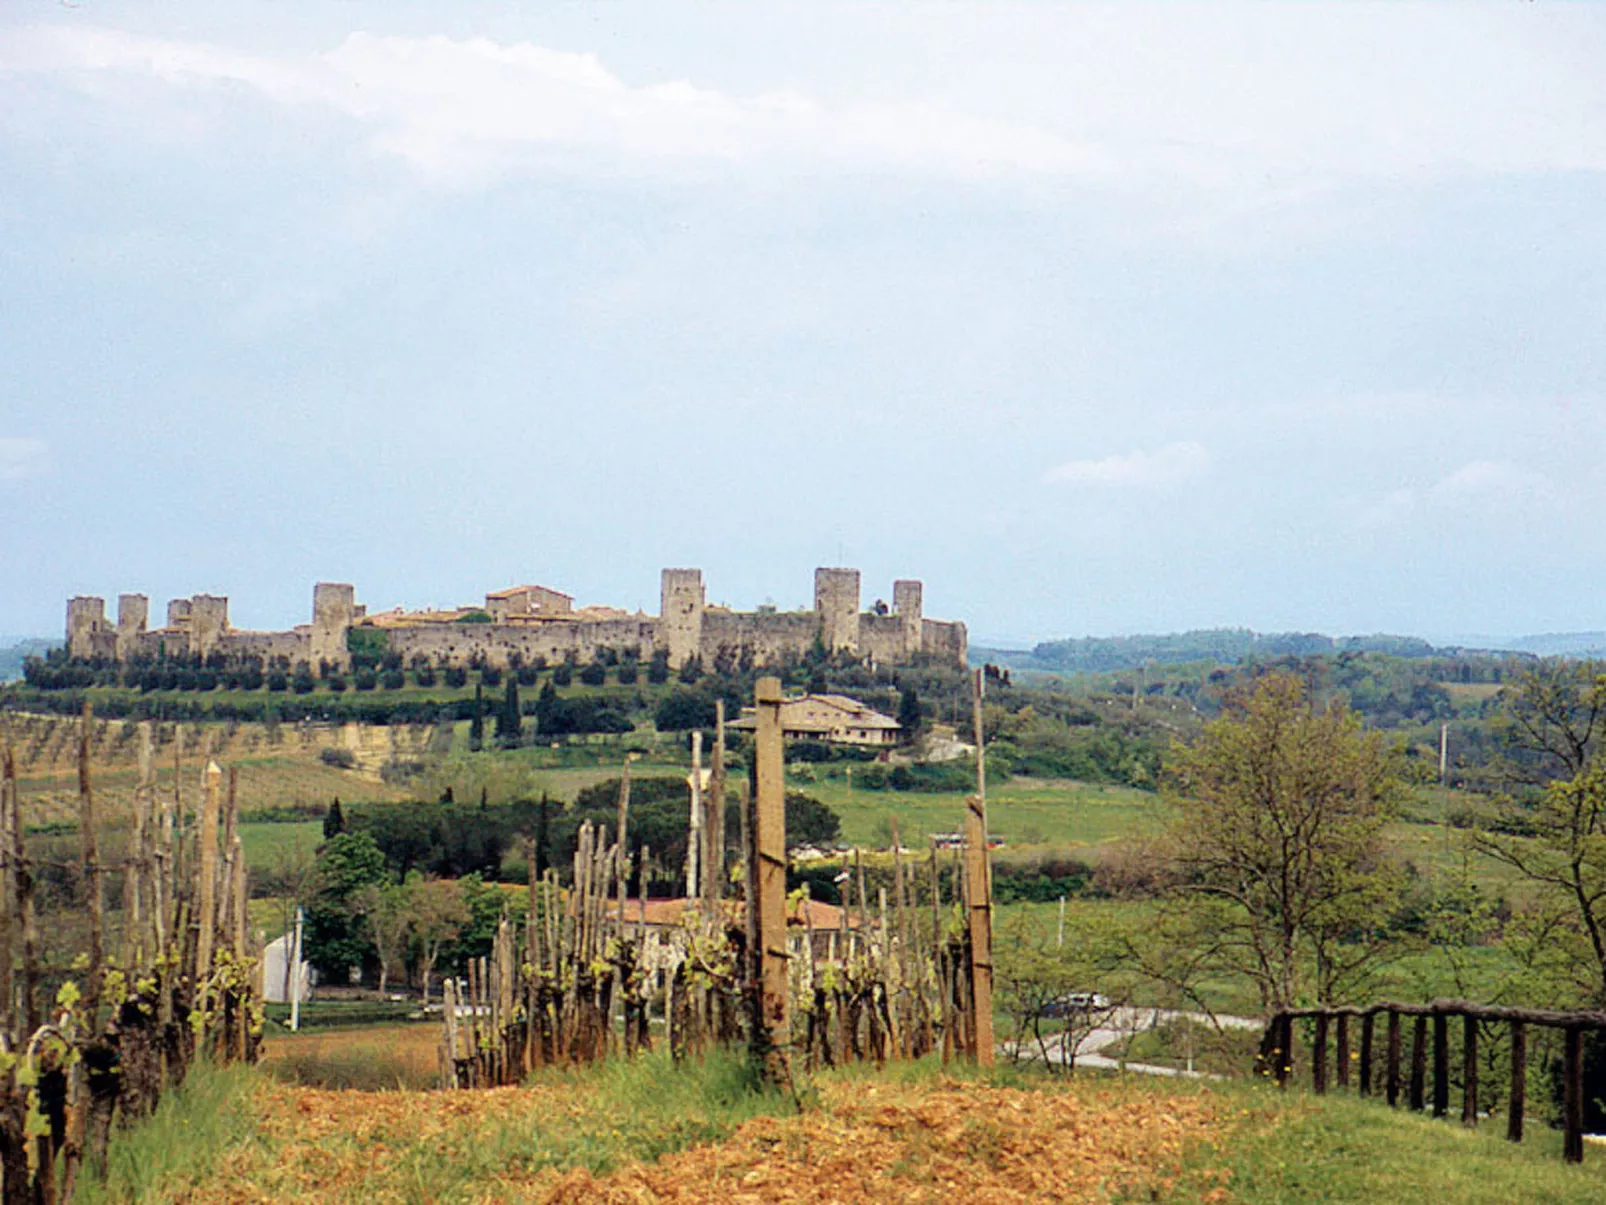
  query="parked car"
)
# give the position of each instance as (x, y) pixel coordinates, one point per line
(1075, 1002)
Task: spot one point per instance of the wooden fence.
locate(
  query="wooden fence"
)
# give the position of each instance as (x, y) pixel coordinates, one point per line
(1396, 1076)
(162, 978)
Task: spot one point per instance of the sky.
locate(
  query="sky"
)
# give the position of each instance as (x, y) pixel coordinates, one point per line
(1098, 319)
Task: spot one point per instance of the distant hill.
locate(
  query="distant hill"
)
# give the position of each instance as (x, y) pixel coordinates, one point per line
(1228, 646)
(1560, 644)
(1224, 646)
(13, 650)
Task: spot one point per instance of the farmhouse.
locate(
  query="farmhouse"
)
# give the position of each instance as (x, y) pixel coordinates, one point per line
(836, 719)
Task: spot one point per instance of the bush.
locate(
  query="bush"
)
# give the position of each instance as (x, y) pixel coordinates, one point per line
(594, 674)
(627, 673)
(394, 679)
(456, 677)
(424, 676)
(562, 674)
(365, 679)
(342, 759)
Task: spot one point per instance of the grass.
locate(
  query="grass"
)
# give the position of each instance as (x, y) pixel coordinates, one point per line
(1341, 1148)
(1022, 811)
(702, 1130)
(179, 1146)
(372, 1059)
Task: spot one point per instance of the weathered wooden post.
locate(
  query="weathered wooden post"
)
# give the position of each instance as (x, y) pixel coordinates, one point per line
(1392, 1071)
(979, 895)
(772, 1028)
(1285, 1048)
(206, 905)
(1318, 1056)
(1518, 1102)
(1341, 1051)
(1469, 1070)
(8, 782)
(714, 818)
(694, 839)
(1441, 1064)
(1368, 1028)
(87, 839)
(1572, 1147)
(1419, 1062)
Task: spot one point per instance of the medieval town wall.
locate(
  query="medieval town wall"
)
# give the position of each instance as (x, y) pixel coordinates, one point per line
(495, 643)
(687, 628)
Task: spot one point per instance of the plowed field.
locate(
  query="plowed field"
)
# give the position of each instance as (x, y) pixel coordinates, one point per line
(863, 1140)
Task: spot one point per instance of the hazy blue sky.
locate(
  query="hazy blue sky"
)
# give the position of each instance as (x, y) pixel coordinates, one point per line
(1100, 320)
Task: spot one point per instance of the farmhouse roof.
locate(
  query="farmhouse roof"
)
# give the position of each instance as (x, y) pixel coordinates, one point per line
(800, 913)
(515, 591)
(822, 713)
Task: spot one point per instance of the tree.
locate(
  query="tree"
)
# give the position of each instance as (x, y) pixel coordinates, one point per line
(388, 909)
(336, 935)
(909, 713)
(476, 726)
(1278, 841)
(439, 915)
(1551, 828)
(509, 721)
(334, 821)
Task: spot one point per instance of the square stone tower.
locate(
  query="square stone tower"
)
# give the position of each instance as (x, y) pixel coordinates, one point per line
(133, 614)
(209, 620)
(906, 605)
(86, 626)
(836, 602)
(680, 614)
(334, 608)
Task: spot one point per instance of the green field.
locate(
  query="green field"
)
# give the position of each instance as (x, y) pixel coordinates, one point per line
(1022, 811)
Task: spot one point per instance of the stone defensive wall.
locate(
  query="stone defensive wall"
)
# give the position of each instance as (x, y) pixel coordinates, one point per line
(534, 622)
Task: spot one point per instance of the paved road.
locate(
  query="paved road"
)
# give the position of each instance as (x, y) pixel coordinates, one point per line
(1122, 1023)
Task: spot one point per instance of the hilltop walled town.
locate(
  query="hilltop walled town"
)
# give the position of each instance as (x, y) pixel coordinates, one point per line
(526, 623)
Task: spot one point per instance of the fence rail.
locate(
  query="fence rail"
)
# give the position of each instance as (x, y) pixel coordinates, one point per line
(1332, 1027)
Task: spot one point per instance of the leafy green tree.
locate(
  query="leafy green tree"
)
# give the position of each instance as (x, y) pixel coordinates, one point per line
(439, 915)
(682, 710)
(337, 937)
(334, 821)
(1551, 828)
(910, 716)
(387, 908)
(658, 667)
(1278, 841)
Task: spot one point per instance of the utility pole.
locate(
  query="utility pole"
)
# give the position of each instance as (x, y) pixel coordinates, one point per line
(295, 975)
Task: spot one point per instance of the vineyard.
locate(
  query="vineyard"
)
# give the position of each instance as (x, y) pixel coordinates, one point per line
(282, 768)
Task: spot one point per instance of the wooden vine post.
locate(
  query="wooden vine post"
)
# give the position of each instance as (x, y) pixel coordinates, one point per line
(771, 1028)
(979, 896)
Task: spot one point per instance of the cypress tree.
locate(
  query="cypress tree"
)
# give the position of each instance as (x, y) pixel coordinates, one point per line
(334, 821)
(476, 726)
(508, 722)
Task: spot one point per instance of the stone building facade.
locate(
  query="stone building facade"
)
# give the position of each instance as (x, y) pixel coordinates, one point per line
(536, 622)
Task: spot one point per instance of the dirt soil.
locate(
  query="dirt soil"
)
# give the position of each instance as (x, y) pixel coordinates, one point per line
(865, 1141)
(881, 1142)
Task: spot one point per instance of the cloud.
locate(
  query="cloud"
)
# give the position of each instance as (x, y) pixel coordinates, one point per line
(1268, 103)
(1494, 485)
(21, 459)
(1486, 489)
(467, 110)
(1168, 466)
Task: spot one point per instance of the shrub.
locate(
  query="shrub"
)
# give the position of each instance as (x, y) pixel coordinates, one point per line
(343, 759)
